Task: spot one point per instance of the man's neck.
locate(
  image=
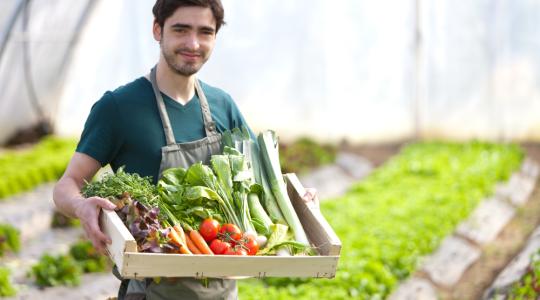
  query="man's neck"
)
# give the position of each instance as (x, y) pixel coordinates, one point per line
(179, 88)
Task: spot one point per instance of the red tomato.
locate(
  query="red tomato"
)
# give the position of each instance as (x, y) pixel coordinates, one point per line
(250, 243)
(209, 229)
(236, 251)
(230, 233)
(219, 247)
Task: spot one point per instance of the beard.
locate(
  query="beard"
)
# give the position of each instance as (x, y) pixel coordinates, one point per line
(179, 67)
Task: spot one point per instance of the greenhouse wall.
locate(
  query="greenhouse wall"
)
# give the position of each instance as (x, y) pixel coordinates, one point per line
(367, 71)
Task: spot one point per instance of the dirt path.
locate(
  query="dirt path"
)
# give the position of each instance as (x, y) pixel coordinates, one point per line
(496, 255)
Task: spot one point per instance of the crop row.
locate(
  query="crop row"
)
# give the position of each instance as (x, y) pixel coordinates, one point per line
(399, 214)
(25, 169)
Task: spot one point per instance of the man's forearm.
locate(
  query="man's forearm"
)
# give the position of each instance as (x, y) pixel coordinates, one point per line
(67, 196)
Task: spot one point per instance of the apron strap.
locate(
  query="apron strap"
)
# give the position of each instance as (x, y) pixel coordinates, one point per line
(169, 135)
(209, 124)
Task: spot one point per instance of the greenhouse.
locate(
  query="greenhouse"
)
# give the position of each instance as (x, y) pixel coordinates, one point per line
(300, 149)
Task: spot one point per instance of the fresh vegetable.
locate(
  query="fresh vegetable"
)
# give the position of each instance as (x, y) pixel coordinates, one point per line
(121, 186)
(219, 246)
(230, 233)
(56, 270)
(236, 250)
(191, 246)
(249, 243)
(270, 157)
(198, 241)
(242, 142)
(6, 287)
(209, 229)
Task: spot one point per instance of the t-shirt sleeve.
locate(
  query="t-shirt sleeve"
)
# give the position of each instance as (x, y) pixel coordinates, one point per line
(100, 138)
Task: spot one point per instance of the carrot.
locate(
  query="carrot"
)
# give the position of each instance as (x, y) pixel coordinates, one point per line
(192, 246)
(199, 242)
(175, 238)
(180, 232)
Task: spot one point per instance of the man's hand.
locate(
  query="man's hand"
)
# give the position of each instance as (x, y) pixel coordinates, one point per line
(311, 198)
(88, 212)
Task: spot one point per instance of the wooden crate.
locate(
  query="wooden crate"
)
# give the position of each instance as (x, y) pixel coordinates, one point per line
(132, 264)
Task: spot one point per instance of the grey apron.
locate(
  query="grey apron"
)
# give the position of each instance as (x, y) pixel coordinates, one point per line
(183, 155)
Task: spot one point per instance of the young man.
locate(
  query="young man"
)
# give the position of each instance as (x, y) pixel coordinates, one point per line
(165, 119)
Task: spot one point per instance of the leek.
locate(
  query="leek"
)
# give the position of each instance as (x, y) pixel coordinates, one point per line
(270, 157)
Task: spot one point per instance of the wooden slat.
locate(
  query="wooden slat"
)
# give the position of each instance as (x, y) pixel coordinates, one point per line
(140, 265)
(122, 240)
(319, 232)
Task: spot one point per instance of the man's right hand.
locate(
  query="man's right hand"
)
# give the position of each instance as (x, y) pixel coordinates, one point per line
(88, 211)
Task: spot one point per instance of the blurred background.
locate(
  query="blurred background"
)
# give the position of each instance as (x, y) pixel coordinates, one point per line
(365, 71)
(357, 91)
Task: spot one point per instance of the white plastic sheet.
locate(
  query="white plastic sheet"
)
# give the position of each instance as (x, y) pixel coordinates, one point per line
(334, 69)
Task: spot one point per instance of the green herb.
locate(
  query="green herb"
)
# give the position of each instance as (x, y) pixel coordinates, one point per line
(56, 270)
(114, 187)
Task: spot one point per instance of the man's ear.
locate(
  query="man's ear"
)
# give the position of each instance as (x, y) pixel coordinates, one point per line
(156, 30)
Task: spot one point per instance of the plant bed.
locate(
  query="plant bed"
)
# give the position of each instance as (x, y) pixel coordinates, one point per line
(398, 215)
(23, 170)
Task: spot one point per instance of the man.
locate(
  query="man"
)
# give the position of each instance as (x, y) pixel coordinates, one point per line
(165, 119)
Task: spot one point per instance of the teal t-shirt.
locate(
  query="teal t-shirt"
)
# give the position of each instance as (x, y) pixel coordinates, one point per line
(124, 127)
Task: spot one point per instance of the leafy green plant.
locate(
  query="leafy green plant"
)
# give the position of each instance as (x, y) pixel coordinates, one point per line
(23, 170)
(88, 258)
(9, 239)
(397, 215)
(305, 154)
(56, 270)
(6, 287)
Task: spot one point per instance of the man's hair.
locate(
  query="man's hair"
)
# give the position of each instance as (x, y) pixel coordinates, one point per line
(163, 9)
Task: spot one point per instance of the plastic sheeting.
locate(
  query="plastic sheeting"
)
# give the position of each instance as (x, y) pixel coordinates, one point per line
(352, 69)
(47, 39)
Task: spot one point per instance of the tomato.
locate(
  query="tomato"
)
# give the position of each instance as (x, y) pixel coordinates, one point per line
(236, 251)
(250, 244)
(230, 233)
(219, 247)
(209, 229)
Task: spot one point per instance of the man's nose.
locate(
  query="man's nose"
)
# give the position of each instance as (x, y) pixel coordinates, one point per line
(193, 41)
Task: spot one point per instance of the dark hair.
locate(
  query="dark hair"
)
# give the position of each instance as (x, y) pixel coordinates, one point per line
(163, 9)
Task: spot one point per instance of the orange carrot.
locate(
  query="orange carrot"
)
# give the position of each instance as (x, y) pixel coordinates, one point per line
(192, 246)
(199, 242)
(175, 238)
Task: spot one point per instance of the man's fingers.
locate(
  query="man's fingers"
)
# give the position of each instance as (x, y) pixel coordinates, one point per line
(101, 202)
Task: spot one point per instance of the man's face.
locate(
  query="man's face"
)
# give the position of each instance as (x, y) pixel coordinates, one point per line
(187, 39)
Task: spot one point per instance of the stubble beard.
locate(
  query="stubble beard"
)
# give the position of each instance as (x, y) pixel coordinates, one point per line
(184, 69)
